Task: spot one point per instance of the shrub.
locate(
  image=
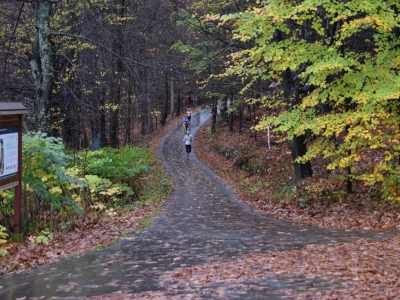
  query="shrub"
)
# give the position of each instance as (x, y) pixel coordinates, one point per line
(127, 166)
(57, 188)
(47, 181)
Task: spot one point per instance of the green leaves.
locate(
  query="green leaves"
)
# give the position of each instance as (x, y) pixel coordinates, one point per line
(45, 168)
(119, 165)
(44, 236)
(57, 188)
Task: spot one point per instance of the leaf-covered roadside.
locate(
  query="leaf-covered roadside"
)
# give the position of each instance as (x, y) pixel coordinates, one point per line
(363, 270)
(360, 270)
(93, 232)
(264, 179)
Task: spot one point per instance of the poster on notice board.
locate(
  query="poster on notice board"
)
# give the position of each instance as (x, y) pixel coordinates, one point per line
(8, 152)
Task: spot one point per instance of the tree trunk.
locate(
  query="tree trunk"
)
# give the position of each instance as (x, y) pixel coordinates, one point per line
(42, 67)
(129, 117)
(231, 116)
(349, 183)
(116, 82)
(231, 121)
(298, 143)
(255, 121)
(179, 100)
(164, 113)
(149, 104)
(172, 97)
(224, 108)
(214, 115)
(114, 114)
(240, 118)
(299, 149)
(146, 106)
(102, 125)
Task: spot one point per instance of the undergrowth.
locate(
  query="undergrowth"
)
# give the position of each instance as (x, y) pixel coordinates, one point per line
(59, 186)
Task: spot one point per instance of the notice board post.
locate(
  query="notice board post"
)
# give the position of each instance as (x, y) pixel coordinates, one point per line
(11, 155)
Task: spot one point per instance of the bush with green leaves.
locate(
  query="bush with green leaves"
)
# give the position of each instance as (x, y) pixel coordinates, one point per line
(47, 181)
(127, 166)
(102, 190)
(58, 188)
(45, 178)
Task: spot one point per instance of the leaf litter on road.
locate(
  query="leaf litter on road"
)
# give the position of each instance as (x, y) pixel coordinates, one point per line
(360, 270)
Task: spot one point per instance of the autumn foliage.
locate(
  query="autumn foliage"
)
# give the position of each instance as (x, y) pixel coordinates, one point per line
(326, 71)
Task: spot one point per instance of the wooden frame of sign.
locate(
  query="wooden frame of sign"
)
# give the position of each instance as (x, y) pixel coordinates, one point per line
(11, 154)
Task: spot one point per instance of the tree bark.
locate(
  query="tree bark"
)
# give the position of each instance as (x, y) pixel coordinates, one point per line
(231, 117)
(164, 113)
(224, 108)
(149, 104)
(114, 114)
(299, 149)
(179, 100)
(102, 124)
(298, 143)
(240, 117)
(214, 115)
(172, 96)
(42, 67)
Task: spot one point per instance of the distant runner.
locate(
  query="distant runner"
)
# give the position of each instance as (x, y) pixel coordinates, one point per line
(185, 125)
(189, 114)
(188, 138)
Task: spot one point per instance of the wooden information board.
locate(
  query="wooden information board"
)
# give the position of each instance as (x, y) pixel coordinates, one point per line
(11, 153)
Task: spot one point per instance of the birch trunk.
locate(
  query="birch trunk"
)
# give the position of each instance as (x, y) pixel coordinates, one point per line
(42, 67)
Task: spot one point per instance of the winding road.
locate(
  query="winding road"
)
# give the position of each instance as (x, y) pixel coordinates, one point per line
(204, 223)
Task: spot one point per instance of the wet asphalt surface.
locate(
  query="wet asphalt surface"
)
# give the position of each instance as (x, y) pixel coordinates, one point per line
(205, 223)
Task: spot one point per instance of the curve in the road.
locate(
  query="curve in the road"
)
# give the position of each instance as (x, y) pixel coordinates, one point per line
(204, 223)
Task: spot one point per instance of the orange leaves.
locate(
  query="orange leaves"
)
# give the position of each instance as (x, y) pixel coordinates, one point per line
(357, 270)
(360, 270)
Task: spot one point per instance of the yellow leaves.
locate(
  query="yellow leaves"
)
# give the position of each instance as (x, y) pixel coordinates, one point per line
(42, 175)
(372, 179)
(354, 92)
(56, 190)
(389, 156)
(367, 135)
(98, 207)
(111, 191)
(345, 161)
(110, 106)
(76, 198)
(3, 235)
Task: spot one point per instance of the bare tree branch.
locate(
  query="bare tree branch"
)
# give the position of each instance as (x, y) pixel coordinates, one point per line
(109, 50)
(11, 38)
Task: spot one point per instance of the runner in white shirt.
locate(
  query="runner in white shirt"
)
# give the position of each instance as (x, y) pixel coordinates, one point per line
(188, 138)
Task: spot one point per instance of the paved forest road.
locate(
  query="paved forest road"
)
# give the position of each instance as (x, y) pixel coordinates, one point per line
(205, 223)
